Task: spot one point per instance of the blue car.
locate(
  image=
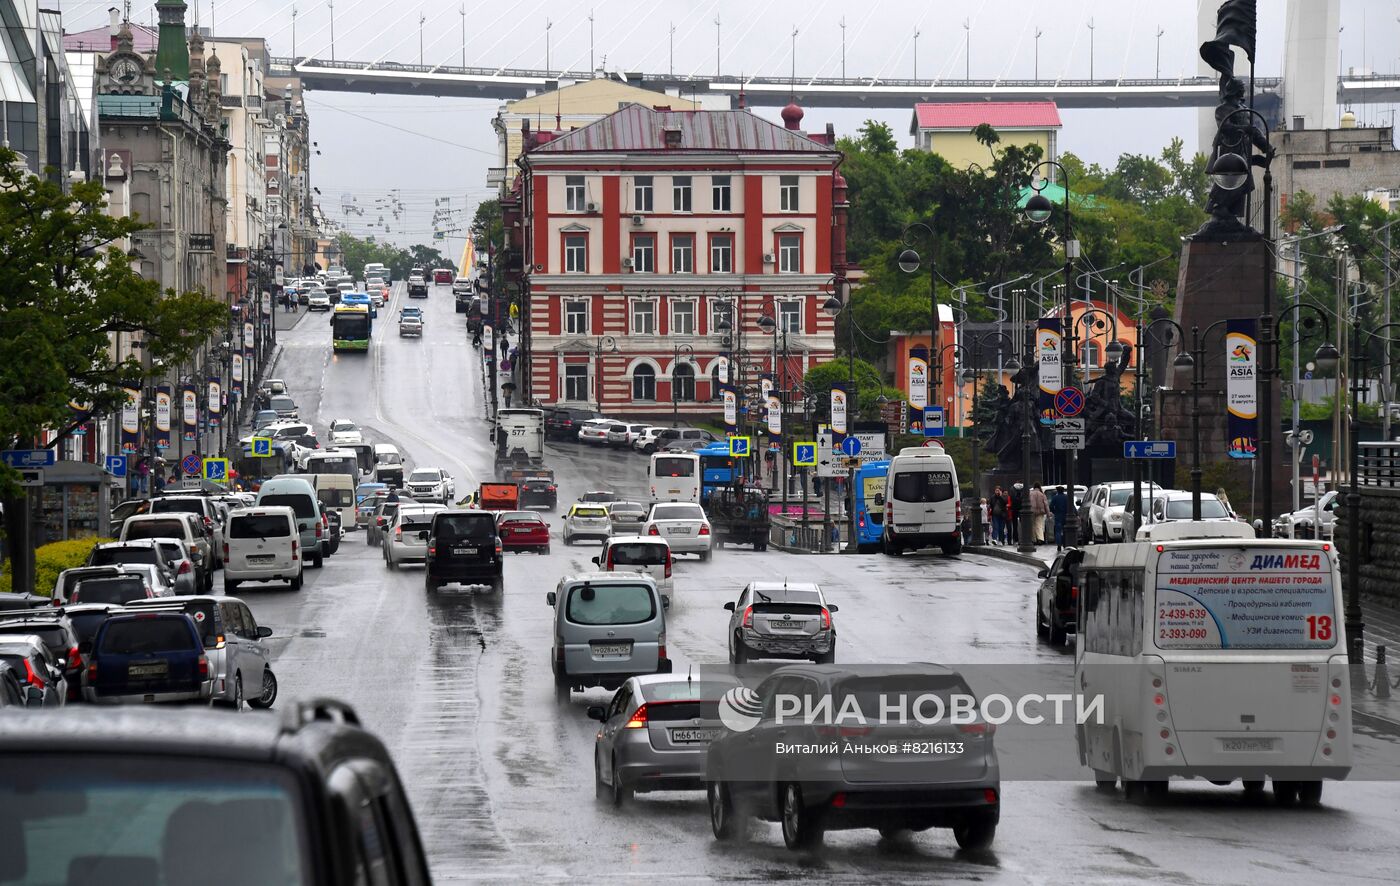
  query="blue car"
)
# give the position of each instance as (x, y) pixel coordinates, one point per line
(360, 298)
(152, 657)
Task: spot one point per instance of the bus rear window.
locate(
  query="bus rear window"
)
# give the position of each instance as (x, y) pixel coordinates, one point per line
(675, 466)
(1245, 598)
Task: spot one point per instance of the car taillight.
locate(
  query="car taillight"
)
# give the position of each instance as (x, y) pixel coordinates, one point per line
(957, 510)
(75, 658)
(553, 488)
(609, 565)
(668, 564)
(639, 719)
(184, 567)
(661, 645)
(826, 619)
(977, 728)
(704, 529)
(225, 550)
(748, 617)
(398, 534)
(318, 530)
(92, 670)
(1074, 592)
(33, 678)
(203, 667)
(294, 549)
(653, 531)
(208, 525)
(220, 641)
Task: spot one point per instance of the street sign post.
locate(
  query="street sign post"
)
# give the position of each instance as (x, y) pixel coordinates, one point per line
(262, 447)
(31, 477)
(216, 470)
(804, 454)
(29, 458)
(115, 465)
(851, 446)
(190, 464)
(827, 457)
(1149, 449)
(1069, 425)
(1069, 402)
(740, 447)
(933, 421)
(1069, 441)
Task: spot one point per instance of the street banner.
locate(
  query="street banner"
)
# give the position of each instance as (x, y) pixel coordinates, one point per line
(131, 421)
(248, 335)
(1241, 388)
(216, 400)
(918, 379)
(765, 384)
(236, 376)
(488, 341)
(839, 409)
(1048, 340)
(731, 405)
(775, 414)
(189, 407)
(163, 403)
(722, 367)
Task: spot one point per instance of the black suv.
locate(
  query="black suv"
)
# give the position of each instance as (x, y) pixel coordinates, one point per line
(309, 797)
(463, 546)
(563, 423)
(1057, 598)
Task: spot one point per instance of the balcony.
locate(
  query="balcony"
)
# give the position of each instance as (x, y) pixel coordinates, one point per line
(253, 103)
(230, 101)
(496, 176)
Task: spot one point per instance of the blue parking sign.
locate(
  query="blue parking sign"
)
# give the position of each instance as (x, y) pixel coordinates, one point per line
(115, 465)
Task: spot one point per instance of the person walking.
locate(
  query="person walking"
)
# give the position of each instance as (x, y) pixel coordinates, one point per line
(1040, 508)
(1059, 509)
(1013, 513)
(998, 510)
(1225, 500)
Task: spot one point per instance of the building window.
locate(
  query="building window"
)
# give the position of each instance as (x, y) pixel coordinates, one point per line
(643, 317)
(682, 254)
(576, 383)
(682, 382)
(644, 383)
(680, 193)
(574, 200)
(789, 253)
(719, 310)
(722, 254)
(1089, 354)
(576, 317)
(787, 193)
(790, 316)
(576, 253)
(720, 200)
(641, 193)
(682, 316)
(644, 254)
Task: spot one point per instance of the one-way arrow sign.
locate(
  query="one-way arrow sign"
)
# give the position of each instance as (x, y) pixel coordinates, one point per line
(29, 458)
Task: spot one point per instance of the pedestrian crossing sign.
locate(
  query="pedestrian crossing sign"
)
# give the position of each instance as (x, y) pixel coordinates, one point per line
(804, 455)
(216, 470)
(262, 447)
(740, 447)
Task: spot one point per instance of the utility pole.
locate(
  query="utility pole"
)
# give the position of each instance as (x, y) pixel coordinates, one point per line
(967, 49)
(792, 81)
(1091, 49)
(671, 49)
(843, 47)
(547, 26)
(1157, 72)
(330, 4)
(1038, 32)
(294, 32)
(716, 47)
(462, 11)
(590, 42)
(421, 19)
(916, 54)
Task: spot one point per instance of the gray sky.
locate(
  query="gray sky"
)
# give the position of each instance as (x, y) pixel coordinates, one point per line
(433, 148)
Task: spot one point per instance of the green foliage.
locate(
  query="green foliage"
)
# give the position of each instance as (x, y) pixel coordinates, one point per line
(986, 414)
(487, 226)
(356, 253)
(65, 288)
(869, 385)
(53, 558)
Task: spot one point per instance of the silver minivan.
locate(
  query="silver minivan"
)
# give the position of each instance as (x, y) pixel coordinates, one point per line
(607, 627)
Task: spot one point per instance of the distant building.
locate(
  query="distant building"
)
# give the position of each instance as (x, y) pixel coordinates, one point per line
(1327, 163)
(644, 234)
(42, 117)
(946, 129)
(571, 106)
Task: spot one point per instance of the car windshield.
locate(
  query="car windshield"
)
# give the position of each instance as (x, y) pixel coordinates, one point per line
(898, 692)
(424, 477)
(682, 690)
(674, 466)
(259, 526)
(119, 589)
(626, 507)
(678, 512)
(520, 517)
(638, 554)
(300, 504)
(922, 486)
(338, 497)
(1180, 509)
(611, 604)
(155, 529)
(149, 820)
(590, 512)
(177, 506)
(112, 556)
(414, 525)
(451, 528)
(343, 426)
(282, 404)
(788, 595)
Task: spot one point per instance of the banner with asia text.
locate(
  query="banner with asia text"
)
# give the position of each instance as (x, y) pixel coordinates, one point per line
(840, 410)
(731, 405)
(215, 404)
(164, 400)
(1241, 388)
(775, 415)
(1048, 339)
(131, 421)
(189, 408)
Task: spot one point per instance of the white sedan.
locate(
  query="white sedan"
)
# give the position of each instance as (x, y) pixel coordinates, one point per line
(345, 431)
(1174, 506)
(318, 301)
(595, 430)
(683, 525)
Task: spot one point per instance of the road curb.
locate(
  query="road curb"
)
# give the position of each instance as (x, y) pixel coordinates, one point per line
(1375, 721)
(1011, 556)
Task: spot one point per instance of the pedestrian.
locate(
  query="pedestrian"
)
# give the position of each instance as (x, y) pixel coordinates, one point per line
(984, 523)
(1225, 500)
(998, 510)
(1013, 514)
(1059, 509)
(1040, 508)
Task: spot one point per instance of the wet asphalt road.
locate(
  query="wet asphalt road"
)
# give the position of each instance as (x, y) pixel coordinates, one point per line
(458, 685)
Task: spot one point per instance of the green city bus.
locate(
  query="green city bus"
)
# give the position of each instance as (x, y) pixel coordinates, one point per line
(350, 327)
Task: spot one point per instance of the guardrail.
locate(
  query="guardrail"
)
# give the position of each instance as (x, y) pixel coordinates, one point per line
(1378, 465)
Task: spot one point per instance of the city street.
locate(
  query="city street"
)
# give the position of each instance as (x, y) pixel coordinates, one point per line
(501, 779)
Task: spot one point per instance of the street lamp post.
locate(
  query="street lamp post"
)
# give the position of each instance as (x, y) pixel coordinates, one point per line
(1355, 626)
(909, 262)
(689, 353)
(1198, 381)
(1028, 395)
(770, 325)
(611, 344)
(1176, 337)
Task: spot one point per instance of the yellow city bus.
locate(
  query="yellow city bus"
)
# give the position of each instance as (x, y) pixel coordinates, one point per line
(350, 327)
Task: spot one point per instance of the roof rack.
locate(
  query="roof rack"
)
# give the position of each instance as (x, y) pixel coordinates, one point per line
(312, 710)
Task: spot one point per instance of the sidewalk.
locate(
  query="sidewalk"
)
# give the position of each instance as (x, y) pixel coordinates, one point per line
(283, 320)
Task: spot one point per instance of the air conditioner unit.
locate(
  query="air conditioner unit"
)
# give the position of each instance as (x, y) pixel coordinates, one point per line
(627, 262)
(590, 207)
(768, 258)
(638, 220)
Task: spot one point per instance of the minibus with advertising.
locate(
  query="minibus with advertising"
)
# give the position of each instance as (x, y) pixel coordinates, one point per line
(1215, 655)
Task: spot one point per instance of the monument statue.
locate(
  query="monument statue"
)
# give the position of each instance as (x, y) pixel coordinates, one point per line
(1105, 417)
(1011, 418)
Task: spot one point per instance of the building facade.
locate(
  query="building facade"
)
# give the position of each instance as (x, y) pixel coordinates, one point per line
(946, 129)
(42, 115)
(1327, 163)
(652, 242)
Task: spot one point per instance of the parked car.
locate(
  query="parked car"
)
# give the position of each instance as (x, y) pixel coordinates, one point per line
(641, 554)
(626, 517)
(811, 793)
(239, 661)
(464, 547)
(623, 433)
(406, 539)
(683, 525)
(1299, 523)
(1174, 505)
(585, 521)
(46, 686)
(646, 440)
(148, 657)
(680, 439)
(1056, 598)
(562, 423)
(55, 630)
(781, 619)
(589, 611)
(596, 430)
(523, 531)
(655, 733)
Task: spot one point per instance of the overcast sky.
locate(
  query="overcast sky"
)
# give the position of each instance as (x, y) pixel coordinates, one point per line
(429, 148)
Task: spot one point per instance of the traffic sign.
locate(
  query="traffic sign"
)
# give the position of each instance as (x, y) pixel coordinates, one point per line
(31, 477)
(851, 446)
(933, 421)
(190, 464)
(740, 447)
(115, 465)
(216, 470)
(804, 454)
(29, 458)
(262, 447)
(1149, 449)
(1069, 401)
(1070, 425)
(1069, 441)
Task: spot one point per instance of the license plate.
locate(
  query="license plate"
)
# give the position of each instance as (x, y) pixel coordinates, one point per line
(693, 736)
(153, 669)
(612, 650)
(464, 550)
(1247, 745)
(521, 531)
(261, 558)
(787, 625)
(677, 530)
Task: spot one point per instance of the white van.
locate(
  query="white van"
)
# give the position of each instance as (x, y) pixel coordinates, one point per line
(922, 505)
(642, 554)
(262, 544)
(333, 461)
(388, 465)
(336, 491)
(297, 493)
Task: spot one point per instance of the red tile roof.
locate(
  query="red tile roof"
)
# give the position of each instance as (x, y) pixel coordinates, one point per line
(1000, 115)
(101, 39)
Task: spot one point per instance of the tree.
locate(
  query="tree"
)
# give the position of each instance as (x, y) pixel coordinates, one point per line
(487, 225)
(869, 385)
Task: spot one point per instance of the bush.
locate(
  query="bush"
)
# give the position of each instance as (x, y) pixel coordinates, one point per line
(51, 559)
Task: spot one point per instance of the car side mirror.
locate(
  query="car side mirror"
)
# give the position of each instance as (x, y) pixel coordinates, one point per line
(595, 562)
(264, 631)
(729, 607)
(1043, 573)
(551, 597)
(598, 712)
(832, 607)
(665, 601)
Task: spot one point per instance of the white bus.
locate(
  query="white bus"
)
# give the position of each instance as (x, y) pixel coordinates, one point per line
(1219, 657)
(674, 476)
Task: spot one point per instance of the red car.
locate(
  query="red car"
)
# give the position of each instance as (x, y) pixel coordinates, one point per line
(523, 531)
(442, 277)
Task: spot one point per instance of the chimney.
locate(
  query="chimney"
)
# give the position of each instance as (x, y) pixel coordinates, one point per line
(114, 17)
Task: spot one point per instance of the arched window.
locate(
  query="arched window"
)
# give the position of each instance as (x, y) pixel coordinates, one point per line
(1091, 355)
(644, 383)
(715, 382)
(682, 382)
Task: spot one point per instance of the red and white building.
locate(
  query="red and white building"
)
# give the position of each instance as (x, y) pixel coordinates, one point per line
(638, 232)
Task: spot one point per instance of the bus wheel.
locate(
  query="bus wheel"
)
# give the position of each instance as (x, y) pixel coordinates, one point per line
(1309, 793)
(1253, 789)
(1155, 792)
(1285, 792)
(1105, 782)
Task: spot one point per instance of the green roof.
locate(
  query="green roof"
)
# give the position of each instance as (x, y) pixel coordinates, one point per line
(1055, 193)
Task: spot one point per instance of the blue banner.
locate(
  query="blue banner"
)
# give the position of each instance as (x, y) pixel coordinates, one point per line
(1048, 341)
(1241, 388)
